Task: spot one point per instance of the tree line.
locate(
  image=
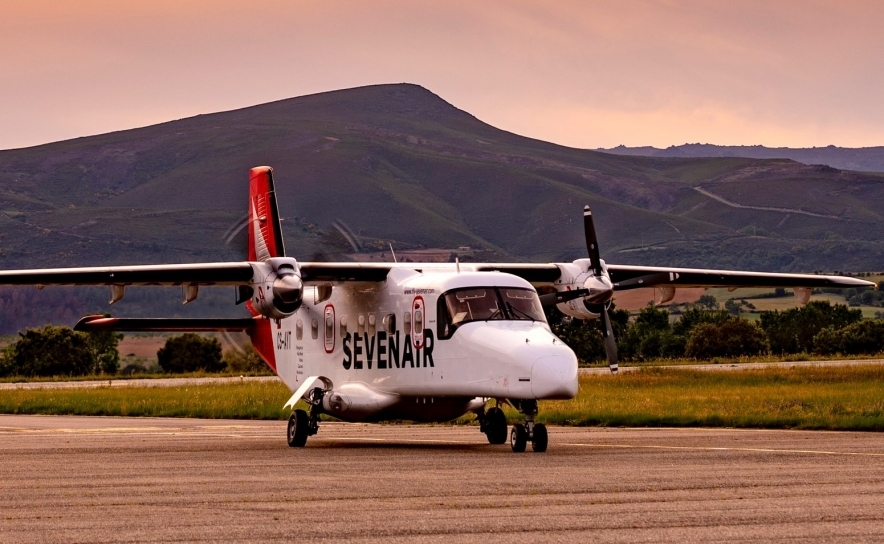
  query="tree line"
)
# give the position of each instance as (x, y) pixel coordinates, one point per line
(704, 332)
(60, 351)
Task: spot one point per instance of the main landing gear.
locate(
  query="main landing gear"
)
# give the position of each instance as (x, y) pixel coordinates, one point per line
(493, 424)
(302, 425)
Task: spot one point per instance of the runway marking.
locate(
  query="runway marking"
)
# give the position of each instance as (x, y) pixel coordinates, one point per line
(721, 448)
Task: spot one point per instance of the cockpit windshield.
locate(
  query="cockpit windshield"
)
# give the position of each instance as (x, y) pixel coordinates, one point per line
(485, 304)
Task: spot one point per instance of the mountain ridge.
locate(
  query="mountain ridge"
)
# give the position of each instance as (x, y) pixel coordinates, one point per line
(867, 159)
(168, 192)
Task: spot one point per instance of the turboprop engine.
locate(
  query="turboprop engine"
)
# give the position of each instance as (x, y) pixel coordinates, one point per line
(277, 289)
(579, 287)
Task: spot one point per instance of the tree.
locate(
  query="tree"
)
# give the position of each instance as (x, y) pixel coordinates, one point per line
(733, 337)
(189, 353)
(861, 338)
(50, 351)
(650, 337)
(105, 357)
(793, 330)
(707, 302)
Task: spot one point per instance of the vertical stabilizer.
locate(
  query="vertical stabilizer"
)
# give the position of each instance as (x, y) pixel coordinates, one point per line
(265, 233)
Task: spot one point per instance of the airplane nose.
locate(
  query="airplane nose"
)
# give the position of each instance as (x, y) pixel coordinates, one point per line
(554, 377)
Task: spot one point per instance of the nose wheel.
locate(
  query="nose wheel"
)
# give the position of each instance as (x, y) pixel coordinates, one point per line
(535, 433)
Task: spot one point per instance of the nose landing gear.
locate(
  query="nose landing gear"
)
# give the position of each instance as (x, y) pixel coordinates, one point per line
(529, 432)
(301, 425)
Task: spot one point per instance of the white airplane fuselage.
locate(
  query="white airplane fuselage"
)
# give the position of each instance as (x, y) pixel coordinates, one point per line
(377, 349)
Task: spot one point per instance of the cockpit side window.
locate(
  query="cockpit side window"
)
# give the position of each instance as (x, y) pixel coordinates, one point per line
(461, 306)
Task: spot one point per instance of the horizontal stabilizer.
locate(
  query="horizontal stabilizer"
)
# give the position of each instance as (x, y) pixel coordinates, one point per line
(100, 323)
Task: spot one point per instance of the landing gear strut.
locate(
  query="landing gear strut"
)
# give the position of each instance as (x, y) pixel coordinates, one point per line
(302, 425)
(530, 431)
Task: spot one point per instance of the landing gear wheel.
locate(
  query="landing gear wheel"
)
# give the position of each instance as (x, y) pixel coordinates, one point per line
(540, 439)
(495, 426)
(518, 438)
(299, 429)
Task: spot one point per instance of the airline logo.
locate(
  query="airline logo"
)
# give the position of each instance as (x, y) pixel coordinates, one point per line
(384, 351)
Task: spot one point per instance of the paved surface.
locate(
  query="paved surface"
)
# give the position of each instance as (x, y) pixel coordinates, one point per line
(69, 479)
(178, 382)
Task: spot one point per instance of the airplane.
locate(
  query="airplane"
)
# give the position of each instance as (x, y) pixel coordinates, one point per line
(426, 342)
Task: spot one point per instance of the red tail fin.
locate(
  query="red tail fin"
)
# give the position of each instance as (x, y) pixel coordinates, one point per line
(265, 234)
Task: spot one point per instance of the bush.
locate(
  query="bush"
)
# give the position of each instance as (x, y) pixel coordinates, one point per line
(50, 351)
(862, 338)
(793, 330)
(733, 337)
(189, 353)
(246, 360)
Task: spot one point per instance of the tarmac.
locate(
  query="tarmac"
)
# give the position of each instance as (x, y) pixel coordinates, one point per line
(97, 479)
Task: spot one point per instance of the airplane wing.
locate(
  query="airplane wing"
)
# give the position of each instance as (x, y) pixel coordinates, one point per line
(168, 274)
(632, 277)
(626, 277)
(235, 273)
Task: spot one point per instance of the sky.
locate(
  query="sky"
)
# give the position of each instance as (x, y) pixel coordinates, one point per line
(581, 73)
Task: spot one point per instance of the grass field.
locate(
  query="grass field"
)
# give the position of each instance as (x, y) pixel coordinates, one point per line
(835, 398)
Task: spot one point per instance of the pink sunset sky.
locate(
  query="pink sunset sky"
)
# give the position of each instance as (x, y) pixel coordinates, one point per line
(579, 73)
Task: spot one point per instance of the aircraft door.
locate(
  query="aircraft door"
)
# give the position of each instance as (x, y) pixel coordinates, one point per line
(329, 328)
(418, 322)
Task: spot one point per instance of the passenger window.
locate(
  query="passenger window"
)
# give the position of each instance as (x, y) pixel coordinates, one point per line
(371, 324)
(390, 323)
(299, 329)
(343, 326)
(314, 329)
(418, 320)
(360, 322)
(407, 322)
(329, 326)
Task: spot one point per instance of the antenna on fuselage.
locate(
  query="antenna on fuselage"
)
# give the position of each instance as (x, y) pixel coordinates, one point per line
(457, 264)
(394, 253)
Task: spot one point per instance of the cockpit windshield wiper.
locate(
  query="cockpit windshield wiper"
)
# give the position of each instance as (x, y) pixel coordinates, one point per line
(496, 314)
(515, 311)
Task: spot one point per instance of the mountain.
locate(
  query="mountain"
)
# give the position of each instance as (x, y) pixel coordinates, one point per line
(396, 163)
(867, 159)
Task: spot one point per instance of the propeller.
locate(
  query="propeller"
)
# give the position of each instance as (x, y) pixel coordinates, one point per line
(601, 308)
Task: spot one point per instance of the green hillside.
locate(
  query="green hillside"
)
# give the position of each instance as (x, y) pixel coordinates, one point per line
(398, 164)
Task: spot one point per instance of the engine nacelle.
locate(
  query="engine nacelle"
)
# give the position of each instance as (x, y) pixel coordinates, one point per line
(578, 275)
(277, 287)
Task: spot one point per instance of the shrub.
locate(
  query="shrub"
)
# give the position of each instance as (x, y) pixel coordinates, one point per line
(862, 338)
(50, 351)
(246, 360)
(793, 330)
(733, 337)
(189, 353)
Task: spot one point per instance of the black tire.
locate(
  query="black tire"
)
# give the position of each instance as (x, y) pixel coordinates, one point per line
(495, 426)
(541, 438)
(298, 429)
(518, 438)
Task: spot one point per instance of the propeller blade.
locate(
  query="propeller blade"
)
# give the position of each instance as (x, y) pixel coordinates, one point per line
(649, 280)
(592, 243)
(610, 341)
(551, 299)
(607, 334)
